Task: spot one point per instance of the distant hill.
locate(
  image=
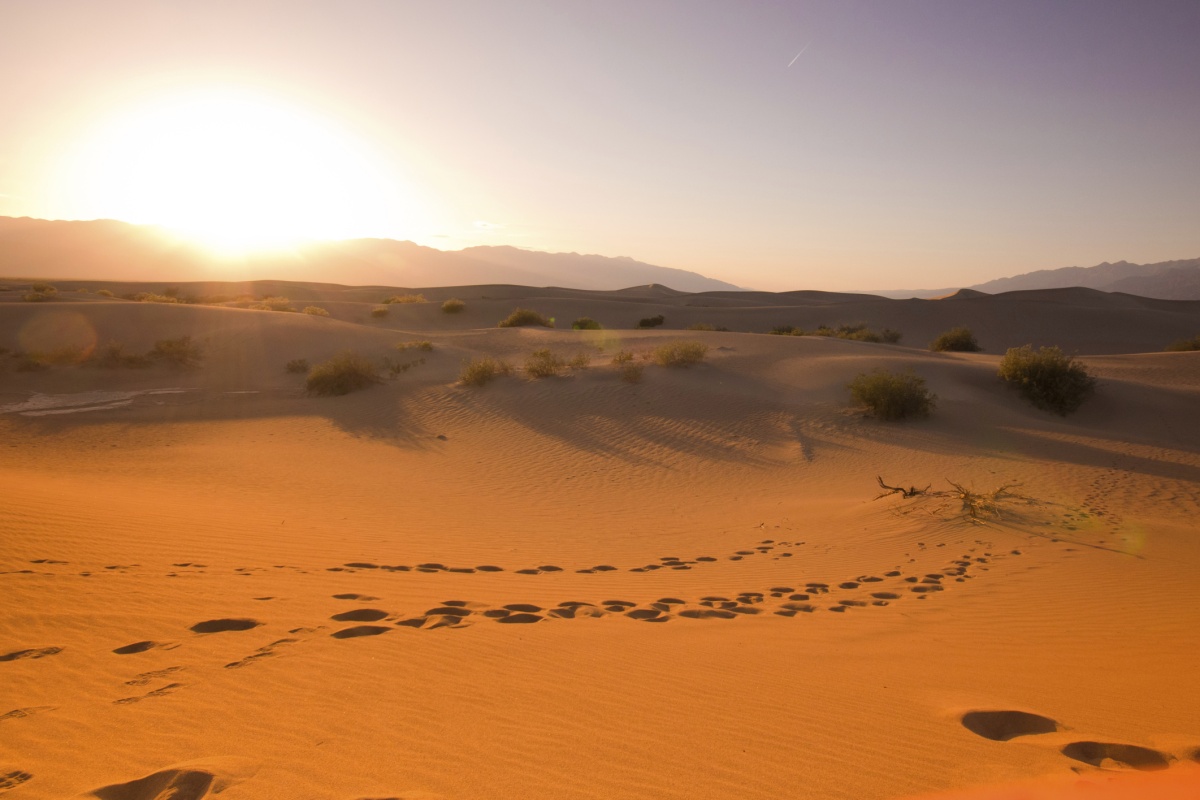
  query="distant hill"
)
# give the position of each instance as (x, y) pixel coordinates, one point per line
(1166, 280)
(119, 251)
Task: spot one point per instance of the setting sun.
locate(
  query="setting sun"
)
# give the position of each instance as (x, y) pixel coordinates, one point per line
(237, 172)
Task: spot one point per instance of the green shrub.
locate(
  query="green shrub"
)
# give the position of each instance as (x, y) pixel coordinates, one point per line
(151, 297)
(181, 352)
(297, 365)
(679, 354)
(1183, 345)
(453, 306)
(622, 357)
(113, 356)
(524, 316)
(316, 311)
(543, 364)
(480, 371)
(378, 312)
(344, 373)
(1048, 378)
(892, 395)
(104, 293)
(424, 345)
(586, 324)
(651, 322)
(404, 298)
(956, 340)
(631, 372)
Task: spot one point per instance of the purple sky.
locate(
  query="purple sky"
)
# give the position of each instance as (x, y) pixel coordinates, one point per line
(911, 144)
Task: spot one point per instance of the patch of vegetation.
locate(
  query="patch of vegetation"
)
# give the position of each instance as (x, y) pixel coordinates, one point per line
(58, 357)
(453, 306)
(104, 293)
(344, 373)
(892, 395)
(580, 361)
(586, 324)
(113, 356)
(273, 304)
(679, 354)
(524, 316)
(43, 287)
(30, 362)
(481, 371)
(622, 357)
(404, 298)
(956, 340)
(151, 297)
(424, 345)
(297, 366)
(631, 372)
(378, 312)
(41, 293)
(181, 352)
(544, 364)
(1048, 378)
(651, 322)
(397, 368)
(856, 333)
(704, 326)
(1183, 345)
(316, 311)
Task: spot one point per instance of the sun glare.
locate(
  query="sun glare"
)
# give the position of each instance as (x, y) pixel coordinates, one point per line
(237, 172)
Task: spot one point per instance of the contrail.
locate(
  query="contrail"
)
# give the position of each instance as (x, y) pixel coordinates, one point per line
(802, 49)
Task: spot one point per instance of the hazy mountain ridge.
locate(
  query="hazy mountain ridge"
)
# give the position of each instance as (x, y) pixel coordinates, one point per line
(112, 250)
(1166, 280)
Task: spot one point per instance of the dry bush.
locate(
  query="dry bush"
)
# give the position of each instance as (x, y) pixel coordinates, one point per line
(272, 304)
(424, 345)
(701, 326)
(297, 366)
(344, 373)
(404, 298)
(30, 362)
(46, 288)
(631, 371)
(979, 506)
(857, 333)
(1183, 345)
(580, 361)
(453, 306)
(378, 312)
(113, 356)
(622, 357)
(151, 297)
(181, 352)
(544, 364)
(586, 324)
(524, 316)
(104, 293)
(1048, 378)
(42, 294)
(893, 396)
(481, 371)
(395, 368)
(956, 340)
(651, 322)
(679, 354)
(316, 311)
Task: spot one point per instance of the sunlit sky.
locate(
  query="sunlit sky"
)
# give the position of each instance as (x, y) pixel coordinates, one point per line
(776, 145)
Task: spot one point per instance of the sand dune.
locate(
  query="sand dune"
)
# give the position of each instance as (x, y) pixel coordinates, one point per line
(582, 588)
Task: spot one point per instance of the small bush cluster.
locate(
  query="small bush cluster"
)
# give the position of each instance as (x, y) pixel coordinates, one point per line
(544, 364)
(104, 293)
(631, 371)
(453, 306)
(423, 345)
(113, 356)
(181, 352)
(404, 298)
(396, 368)
(622, 357)
(272, 304)
(524, 316)
(297, 366)
(856, 333)
(1048, 378)
(151, 297)
(481, 371)
(679, 354)
(651, 322)
(379, 312)
(956, 340)
(344, 373)
(316, 311)
(1183, 345)
(41, 292)
(586, 324)
(893, 396)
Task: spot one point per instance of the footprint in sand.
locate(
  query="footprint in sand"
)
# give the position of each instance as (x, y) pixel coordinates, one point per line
(19, 713)
(361, 615)
(352, 596)
(358, 631)
(260, 653)
(159, 692)
(188, 781)
(147, 677)
(13, 779)
(141, 647)
(1109, 755)
(36, 652)
(1000, 726)
(225, 624)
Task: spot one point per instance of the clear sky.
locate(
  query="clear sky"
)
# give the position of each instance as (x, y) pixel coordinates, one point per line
(776, 145)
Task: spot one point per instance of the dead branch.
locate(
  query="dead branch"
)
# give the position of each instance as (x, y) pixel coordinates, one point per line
(911, 491)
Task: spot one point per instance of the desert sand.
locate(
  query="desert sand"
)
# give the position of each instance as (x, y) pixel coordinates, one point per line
(575, 587)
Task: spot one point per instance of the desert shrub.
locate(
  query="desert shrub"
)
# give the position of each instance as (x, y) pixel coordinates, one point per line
(622, 357)
(586, 324)
(396, 368)
(151, 297)
(113, 356)
(297, 365)
(45, 288)
(344, 373)
(651, 322)
(524, 316)
(404, 298)
(786, 330)
(423, 345)
(41, 295)
(956, 340)
(893, 395)
(316, 311)
(1048, 378)
(543, 364)
(40, 359)
(272, 304)
(453, 306)
(1183, 345)
(378, 312)
(701, 326)
(480, 371)
(104, 293)
(679, 354)
(181, 352)
(890, 336)
(580, 361)
(631, 371)
(30, 362)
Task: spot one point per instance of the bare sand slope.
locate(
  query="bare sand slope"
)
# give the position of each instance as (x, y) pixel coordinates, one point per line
(578, 587)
